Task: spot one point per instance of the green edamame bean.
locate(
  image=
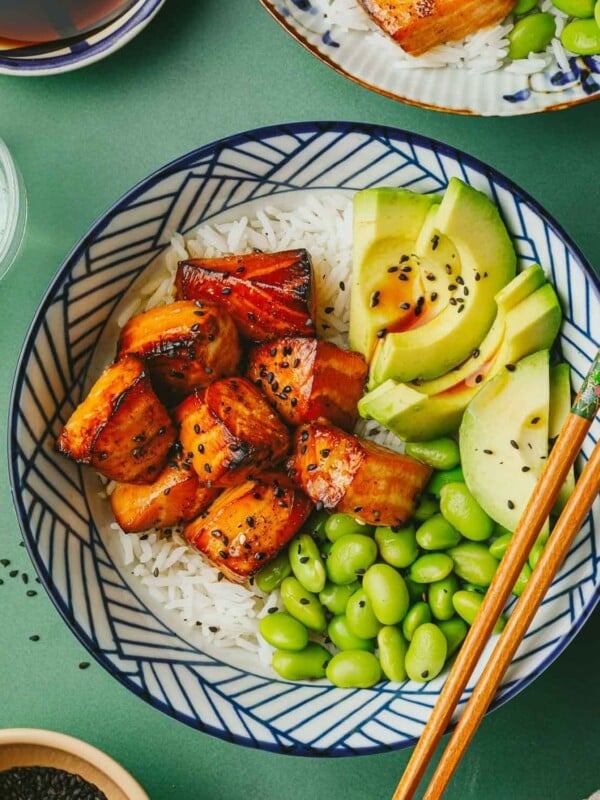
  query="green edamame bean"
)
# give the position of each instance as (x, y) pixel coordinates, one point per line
(474, 587)
(416, 615)
(315, 526)
(303, 605)
(273, 573)
(392, 651)
(361, 617)
(416, 591)
(306, 562)
(524, 6)
(536, 550)
(357, 669)
(582, 36)
(521, 581)
(335, 598)
(467, 604)
(283, 631)
(455, 630)
(576, 8)
(474, 563)
(397, 547)
(464, 513)
(440, 597)
(340, 634)
(341, 524)
(431, 567)
(350, 555)
(426, 506)
(386, 589)
(303, 665)
(440, 453)
(499, 545)
(426, 653)
(441, 478)
(531, 34)
(436, 533)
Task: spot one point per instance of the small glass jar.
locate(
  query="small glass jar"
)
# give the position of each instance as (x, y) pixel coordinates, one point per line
(13, 209)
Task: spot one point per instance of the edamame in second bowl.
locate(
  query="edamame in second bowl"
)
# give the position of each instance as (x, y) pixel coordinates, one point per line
(151, 644)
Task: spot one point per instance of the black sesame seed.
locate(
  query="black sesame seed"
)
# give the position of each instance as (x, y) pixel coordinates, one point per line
(510, 367)
(34, 638)
(535, 420)
(226, 290)
(434, 296)
(479, 378)
(304, 601)
(224, 554)
(510, 504)
(435, 240)
(525, 468)
(207, 468)
(328, 309)
(311, 467)
(488, 452)
(31, 593)
(514, 444)
(381, 333)
(304, 559)
(5, 562)
(404, 306)
(392, 269)
(84, 664)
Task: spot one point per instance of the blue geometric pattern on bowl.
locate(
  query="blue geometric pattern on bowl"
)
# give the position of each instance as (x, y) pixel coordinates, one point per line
(65, 526)
(58, 57)
(372, 61)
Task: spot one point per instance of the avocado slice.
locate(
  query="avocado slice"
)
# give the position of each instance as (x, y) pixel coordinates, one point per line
(504, 438)
(560, 406)
(469, 254)
(386, 224)
(528, 319)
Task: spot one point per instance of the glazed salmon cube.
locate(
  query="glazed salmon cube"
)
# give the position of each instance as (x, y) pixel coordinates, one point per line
(185, 344)
(305, 379)
(344, 473)
(174, 497)
(249, 523)
(229, 431)
(419, 25)
(267, 294)
(121, 428)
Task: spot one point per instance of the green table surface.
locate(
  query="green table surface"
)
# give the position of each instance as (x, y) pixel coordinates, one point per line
(200, 71)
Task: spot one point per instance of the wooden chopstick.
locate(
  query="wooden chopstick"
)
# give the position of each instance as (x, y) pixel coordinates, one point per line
(553, 555)
(536, 512)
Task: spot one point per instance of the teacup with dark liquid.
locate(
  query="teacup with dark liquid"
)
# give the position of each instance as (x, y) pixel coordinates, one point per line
(32, 22)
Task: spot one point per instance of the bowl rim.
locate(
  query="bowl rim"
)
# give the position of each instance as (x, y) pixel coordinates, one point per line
(88, 49)
(78, 748)
(104, 219)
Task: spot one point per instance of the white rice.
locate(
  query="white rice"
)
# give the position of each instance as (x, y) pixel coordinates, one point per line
(484, 51)
(177, 576)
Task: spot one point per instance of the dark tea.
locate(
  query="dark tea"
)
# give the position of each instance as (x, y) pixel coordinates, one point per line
(38, 21)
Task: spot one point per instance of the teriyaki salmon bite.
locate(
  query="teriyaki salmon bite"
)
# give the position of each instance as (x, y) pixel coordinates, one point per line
(419, 25)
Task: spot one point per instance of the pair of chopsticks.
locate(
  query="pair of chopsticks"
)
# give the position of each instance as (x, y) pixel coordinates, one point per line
(560, 460)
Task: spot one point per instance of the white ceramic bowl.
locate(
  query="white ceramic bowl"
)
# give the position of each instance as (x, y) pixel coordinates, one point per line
(372, 61)
(34, 747)
(67, 528)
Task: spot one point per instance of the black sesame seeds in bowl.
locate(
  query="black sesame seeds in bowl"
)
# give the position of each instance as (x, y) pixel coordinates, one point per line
(45, 765)
(46, 783)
